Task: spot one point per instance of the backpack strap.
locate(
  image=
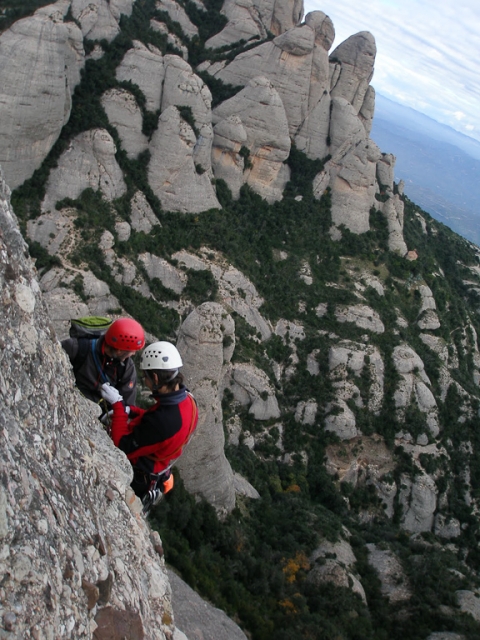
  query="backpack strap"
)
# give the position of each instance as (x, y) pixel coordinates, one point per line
(96, 360)
(83, 347)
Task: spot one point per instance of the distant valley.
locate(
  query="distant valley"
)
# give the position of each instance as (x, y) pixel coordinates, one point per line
(440, 166)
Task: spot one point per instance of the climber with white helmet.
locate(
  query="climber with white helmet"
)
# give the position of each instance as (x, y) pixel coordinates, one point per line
(153, 439)
(107, 359)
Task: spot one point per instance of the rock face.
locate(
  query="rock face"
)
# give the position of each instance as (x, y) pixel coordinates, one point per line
(35, 99)
(99, 19)
(206, 341)
(197, 618)
(256, 115)
(172, 173)
(69, 523)
(125, 115)
(292, 91)
(89, 162)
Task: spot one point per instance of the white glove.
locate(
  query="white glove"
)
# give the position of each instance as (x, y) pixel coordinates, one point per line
(110, 394)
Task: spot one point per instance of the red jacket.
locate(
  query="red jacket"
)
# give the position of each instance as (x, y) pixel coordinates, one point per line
(154, 438)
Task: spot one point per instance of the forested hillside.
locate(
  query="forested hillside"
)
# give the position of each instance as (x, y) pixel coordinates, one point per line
(348, 393)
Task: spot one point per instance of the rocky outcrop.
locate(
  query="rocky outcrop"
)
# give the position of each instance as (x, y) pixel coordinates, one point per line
(172, 173)
(362, 316)
(206, 341)
(253, 20)
(125, 115)
(183, 88)
(177, 14)
(394, 582)
(197, 618)
(36, 96)
(336, 565)
(414, 387)
(88, 163)
(143, 65)
(99, 19)
(237, 292)
(263, 124)
(69, 522)
(250, 387)
(353, 61)
(418, 497)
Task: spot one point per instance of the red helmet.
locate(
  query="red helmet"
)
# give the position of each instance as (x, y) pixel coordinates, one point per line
(125, 334)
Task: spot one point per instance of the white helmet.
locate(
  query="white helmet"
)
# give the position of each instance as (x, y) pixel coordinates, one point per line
(161, 355)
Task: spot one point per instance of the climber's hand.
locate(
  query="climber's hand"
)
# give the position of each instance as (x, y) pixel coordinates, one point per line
(110, 394)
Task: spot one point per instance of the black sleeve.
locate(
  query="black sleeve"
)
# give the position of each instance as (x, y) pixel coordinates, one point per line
(153, 428)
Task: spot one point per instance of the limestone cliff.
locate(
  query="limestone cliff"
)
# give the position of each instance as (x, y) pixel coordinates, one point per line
(69, 523)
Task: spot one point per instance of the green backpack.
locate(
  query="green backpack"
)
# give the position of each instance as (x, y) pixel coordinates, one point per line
(85, 330)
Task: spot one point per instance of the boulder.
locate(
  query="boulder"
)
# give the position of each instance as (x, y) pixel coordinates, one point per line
(183, 88)
(287, 63)
(171, 277)
(337, 565)
(341, 420)
(469, 602)
(89, 162)
(351, 171)
(206, 342)
(235, 290)
(243, 24)
(40, 62)
(229, 136)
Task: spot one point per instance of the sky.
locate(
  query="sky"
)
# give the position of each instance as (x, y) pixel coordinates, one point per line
(428, 53)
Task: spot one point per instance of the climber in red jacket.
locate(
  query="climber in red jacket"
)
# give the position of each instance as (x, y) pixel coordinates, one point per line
(153, 439)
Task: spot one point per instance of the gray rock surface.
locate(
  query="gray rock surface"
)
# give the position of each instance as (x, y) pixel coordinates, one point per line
(99, 19)
(125, 115)
(177, 14)
(69, 522)
(395, 585)
(206, 341)
(143, 65)
(35, 96)
(198, 619)
(419, 501)
(354, 59)
(469, 602)
(89, 162)
(262, 116)
(172, 173)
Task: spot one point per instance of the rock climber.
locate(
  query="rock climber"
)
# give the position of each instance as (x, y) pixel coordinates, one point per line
(153, 439)
(107, 359)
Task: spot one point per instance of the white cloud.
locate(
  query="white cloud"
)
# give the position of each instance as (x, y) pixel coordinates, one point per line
(427, 52)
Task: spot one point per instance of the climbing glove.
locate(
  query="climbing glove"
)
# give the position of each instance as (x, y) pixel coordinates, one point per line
(110, 394)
